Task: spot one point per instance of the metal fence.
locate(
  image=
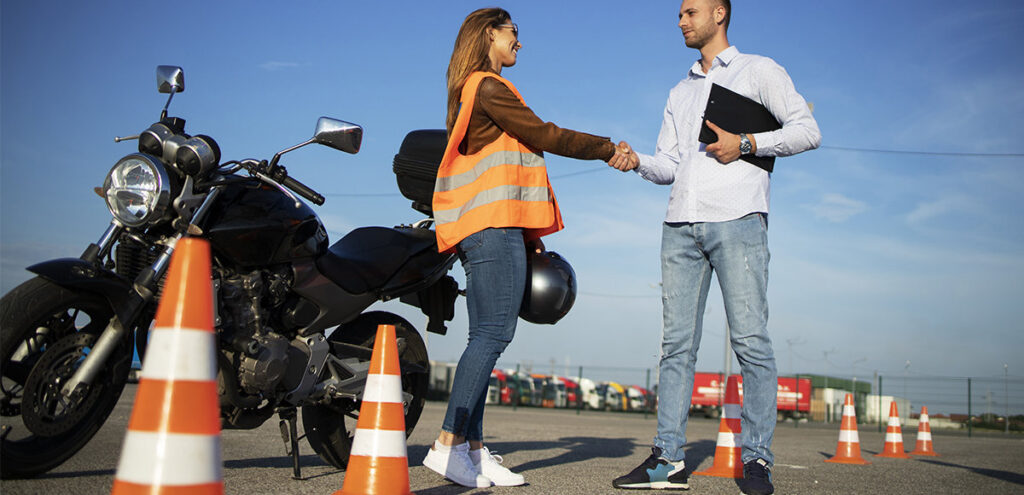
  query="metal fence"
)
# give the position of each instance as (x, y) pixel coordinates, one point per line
(972, 404)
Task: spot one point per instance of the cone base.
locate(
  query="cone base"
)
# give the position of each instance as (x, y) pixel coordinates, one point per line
(376, 475)
(929, 454)
(723, 472)
(848, 460)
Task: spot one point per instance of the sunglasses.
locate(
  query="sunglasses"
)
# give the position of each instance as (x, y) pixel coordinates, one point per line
(515, 28)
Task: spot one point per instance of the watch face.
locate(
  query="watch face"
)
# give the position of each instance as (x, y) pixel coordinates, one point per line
(744, 145)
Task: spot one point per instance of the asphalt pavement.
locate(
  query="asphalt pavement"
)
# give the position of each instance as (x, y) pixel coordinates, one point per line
(562, 452)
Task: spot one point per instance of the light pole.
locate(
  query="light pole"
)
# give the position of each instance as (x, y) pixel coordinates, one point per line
(1006, 383)
(829, 406)
(853, 373)
(790, 343)
(906, 376)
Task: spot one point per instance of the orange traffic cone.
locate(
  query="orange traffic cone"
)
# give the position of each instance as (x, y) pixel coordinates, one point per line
(173, 439)
(727, 451)
(377, 462)
(893, 436)
(924, 436)
(848, 448)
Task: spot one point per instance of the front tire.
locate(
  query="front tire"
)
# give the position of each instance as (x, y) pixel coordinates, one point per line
(331, 428)
(46, 332)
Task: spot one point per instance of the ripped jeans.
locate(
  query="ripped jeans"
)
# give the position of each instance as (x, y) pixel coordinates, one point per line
(738, 251)
(495, 264)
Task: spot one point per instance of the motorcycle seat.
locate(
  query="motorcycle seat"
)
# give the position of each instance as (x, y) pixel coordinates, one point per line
(368, 257)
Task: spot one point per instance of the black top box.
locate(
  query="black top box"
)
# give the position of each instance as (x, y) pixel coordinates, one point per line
(416, 164)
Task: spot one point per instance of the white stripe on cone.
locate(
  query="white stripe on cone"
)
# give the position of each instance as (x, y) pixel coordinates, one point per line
(894, 421)
(849, 411)
(893, 438)
(849, 436)
(180, 459)
(726, 439)
(924, 435)
(196, 346)
(383, 388)
(378, 443)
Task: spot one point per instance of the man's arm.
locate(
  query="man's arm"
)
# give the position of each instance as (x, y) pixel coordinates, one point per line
(799, 130)
(661, 167)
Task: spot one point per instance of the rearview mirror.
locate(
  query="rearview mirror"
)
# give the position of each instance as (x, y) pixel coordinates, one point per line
(338, 134)
(170, 79)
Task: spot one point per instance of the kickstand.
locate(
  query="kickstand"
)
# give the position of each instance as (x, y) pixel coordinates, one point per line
(289, 433)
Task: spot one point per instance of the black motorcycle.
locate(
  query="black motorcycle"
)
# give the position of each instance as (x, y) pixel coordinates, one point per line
(289, 309)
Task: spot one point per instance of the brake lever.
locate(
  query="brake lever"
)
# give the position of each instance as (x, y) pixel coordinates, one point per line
(261, 176)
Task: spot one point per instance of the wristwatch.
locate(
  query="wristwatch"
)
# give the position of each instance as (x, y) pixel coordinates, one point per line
(745, 146)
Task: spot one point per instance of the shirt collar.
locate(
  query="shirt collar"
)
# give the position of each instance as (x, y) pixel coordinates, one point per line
(724, 59)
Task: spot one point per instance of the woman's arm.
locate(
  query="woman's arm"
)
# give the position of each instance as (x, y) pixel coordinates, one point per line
(502, 106)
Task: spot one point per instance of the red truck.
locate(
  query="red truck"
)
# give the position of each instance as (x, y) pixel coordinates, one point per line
(498, 390)
(708, 389)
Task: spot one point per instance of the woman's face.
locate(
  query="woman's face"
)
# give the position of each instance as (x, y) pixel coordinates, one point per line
(504, 45)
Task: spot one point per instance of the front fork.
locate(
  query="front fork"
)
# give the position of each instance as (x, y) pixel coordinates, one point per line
(116, 328)
(144, 291)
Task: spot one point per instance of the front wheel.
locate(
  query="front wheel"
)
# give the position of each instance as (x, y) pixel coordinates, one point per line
(47, 331)
(331, 428)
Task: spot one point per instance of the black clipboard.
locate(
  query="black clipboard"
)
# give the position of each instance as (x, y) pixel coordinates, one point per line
(736, 113)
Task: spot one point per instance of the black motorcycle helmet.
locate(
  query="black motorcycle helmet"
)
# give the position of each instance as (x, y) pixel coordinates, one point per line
(550, 288)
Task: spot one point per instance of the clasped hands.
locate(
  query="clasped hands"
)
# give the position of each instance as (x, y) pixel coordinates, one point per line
(624, 159)
(726, 150)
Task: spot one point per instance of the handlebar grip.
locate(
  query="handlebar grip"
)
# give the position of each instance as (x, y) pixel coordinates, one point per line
(303, 190)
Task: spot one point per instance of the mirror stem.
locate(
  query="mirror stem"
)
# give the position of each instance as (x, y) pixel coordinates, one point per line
(273, 161)
(163, 114)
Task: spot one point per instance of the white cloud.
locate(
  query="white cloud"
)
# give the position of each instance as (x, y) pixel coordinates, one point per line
(837, 208)
(275, 65)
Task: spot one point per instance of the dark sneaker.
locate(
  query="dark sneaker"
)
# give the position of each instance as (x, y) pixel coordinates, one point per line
(656, 473)
(757, 478)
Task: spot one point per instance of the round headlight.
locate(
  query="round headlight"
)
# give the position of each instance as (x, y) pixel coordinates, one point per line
(137, 190)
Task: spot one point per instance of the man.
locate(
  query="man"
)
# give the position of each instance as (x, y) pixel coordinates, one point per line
(717, 222)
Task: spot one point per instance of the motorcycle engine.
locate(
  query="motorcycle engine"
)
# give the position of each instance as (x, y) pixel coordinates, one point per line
(258, 352)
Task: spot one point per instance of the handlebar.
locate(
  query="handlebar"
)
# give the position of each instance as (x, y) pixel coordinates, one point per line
(303, 190)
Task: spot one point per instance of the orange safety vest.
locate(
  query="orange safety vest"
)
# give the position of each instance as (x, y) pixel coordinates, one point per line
(503, 185)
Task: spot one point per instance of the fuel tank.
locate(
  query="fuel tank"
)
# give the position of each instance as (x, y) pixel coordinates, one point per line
(257, 225)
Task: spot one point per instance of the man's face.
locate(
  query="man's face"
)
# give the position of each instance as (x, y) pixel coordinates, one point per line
(697, 21)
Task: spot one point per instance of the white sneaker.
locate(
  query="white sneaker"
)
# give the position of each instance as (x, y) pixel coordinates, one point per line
(454, 463)
(489, 464)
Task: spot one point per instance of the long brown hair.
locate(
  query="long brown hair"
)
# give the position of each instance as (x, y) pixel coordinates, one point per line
(472, 47)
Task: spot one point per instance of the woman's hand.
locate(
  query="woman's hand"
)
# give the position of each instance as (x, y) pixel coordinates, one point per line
(535, 246)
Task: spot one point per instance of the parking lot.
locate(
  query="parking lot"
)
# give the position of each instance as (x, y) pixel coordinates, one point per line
(562, 452)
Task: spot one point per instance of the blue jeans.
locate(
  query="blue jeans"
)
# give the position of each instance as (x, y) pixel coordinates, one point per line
(738, 251)
(495, 264)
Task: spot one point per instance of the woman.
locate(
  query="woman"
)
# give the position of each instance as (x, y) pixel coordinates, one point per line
(491, 201)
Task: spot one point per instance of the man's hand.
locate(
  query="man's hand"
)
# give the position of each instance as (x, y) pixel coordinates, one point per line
(727, 148)
(624, 159)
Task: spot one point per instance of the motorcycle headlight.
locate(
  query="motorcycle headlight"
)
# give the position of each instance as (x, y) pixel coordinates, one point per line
(137, 190)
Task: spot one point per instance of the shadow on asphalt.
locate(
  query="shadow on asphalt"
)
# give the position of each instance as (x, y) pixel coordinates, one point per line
(992, 473)
(76, 474)
(577, 449)
(285, 461)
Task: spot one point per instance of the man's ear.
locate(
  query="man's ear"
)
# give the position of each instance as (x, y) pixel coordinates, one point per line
(719, 14)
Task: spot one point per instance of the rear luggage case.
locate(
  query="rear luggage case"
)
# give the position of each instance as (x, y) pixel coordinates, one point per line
(415, 166)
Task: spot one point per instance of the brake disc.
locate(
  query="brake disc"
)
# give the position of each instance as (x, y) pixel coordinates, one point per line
(45, 410)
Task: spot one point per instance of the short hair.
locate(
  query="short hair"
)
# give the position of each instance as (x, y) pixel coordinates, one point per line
(728, 10)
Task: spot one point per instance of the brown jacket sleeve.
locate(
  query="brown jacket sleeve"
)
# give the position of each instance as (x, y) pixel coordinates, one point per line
(498, 109)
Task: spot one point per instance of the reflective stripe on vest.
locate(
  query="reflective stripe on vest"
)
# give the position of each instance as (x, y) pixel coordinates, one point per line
(505, 184)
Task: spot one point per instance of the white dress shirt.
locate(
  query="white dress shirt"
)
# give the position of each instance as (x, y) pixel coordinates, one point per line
(704, 190)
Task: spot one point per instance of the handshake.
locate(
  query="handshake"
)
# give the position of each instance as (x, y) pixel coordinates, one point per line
(624, 159)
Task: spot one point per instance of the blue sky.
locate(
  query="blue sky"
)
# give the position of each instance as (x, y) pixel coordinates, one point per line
(878, 258)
